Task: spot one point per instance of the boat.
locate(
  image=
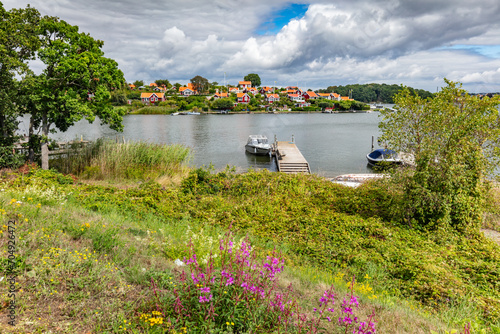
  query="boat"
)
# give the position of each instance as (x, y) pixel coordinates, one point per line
(355, 180)
(258, 145)
(192, 113)
(383, 156)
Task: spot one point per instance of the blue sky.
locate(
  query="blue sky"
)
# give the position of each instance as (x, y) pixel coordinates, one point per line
(315, 43)
(280, 18)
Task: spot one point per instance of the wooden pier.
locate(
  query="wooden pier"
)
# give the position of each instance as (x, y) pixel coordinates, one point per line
(289, 159)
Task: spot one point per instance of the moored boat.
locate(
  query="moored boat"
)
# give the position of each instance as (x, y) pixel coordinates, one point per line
(258, 145)
(383, 156)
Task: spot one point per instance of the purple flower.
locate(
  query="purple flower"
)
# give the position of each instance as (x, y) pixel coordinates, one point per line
(205, 290)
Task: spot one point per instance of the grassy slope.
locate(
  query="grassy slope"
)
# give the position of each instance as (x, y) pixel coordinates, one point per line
(86, 264)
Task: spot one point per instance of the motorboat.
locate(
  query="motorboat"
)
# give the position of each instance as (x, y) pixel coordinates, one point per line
(383, 156)
(258, 145)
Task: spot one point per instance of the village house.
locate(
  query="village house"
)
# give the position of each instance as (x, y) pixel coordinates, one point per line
(242, 98)
(152, 97)
(272, 98)
(234, 90)
(220, 96)
(245, 84)
(297, 98)
(188, 91)
(325, 96)
(310, 95)
(266, 90)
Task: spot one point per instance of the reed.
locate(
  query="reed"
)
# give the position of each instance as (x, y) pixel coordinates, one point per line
(129, 160)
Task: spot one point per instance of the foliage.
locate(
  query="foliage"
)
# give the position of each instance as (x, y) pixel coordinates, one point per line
(138, 83)
(75, 81)
(200, 83)
(223, 104)
(253, 78)
(130, 160)
(163, 82)
(454, 139)
(373, 92)
(18, 45)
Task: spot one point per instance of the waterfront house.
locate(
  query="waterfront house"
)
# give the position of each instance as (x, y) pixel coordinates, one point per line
(272, 98)
(242, 98)
(221, 96)
(251, 90)
(310, 95)
(234, 90)
(266, 90)
(245, 84)
(297, 98)
(346, 98)
(185, 91)
(327, 96)
(152, 97)
(131, 86)
(335, 96)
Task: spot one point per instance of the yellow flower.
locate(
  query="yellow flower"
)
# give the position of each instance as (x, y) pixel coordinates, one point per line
(227, 323)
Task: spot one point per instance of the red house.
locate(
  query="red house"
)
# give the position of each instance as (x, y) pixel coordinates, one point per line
(152, 97)
(243, 98)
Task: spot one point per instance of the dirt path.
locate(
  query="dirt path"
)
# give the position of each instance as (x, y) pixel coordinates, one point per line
(493, 235)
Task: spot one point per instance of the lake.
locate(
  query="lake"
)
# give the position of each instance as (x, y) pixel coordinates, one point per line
(333, 144)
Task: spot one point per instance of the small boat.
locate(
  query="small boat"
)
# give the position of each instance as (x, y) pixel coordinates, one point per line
(355, 180)
(383, 155)
(192, 113)
(258, 145)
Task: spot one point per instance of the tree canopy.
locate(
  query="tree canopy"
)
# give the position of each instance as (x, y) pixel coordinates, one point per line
(163, 82)
(75, 83)
(373, 92)
(253, 78)
(200, 83)
(454, 138)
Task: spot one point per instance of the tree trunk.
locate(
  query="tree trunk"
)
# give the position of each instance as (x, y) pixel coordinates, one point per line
(45, 141)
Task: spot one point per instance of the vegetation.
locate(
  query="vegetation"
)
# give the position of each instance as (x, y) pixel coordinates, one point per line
(454, 139)
(107, 159)
(253, 78)
(382, 93)
(200, 84)
(87, 253)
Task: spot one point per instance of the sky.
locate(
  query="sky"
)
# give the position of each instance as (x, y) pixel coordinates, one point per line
(311, 44)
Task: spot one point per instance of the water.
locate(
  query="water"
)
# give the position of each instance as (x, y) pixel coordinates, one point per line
(333, 144)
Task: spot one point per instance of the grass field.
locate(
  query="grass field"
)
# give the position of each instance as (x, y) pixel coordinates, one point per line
(87, 250)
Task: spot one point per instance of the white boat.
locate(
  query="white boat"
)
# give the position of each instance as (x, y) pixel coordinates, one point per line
(192, 113)
(355, 180)
(383, 155)
(258, 145)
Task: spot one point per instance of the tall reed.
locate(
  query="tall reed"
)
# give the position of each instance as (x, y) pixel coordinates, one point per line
(105, 158)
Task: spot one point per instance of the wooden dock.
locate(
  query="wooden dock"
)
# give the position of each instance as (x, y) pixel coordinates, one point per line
(289, 159)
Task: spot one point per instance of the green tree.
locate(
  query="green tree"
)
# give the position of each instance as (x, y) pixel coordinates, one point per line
(18, 44)
(454, 138)
(75, 83)
(163, 82)
(253, 78)
(223, 104)
(200, 84)
(138, 83)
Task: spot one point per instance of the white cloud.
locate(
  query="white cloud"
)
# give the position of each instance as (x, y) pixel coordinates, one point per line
(393, 41)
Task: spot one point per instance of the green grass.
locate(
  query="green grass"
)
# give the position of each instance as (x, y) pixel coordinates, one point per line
(87, 252)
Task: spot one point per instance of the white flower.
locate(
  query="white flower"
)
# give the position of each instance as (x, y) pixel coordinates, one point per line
(179, 263)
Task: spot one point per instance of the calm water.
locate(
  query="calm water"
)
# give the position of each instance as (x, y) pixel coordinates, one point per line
(333, 144)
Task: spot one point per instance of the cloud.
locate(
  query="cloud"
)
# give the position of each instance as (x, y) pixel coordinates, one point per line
(395, 41)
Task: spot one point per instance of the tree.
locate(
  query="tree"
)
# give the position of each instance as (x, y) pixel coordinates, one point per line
(163, 82)
(454, 138)
(200, 83)
(18, 44)
(253, 78)
(75, 82)
(138, 83)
